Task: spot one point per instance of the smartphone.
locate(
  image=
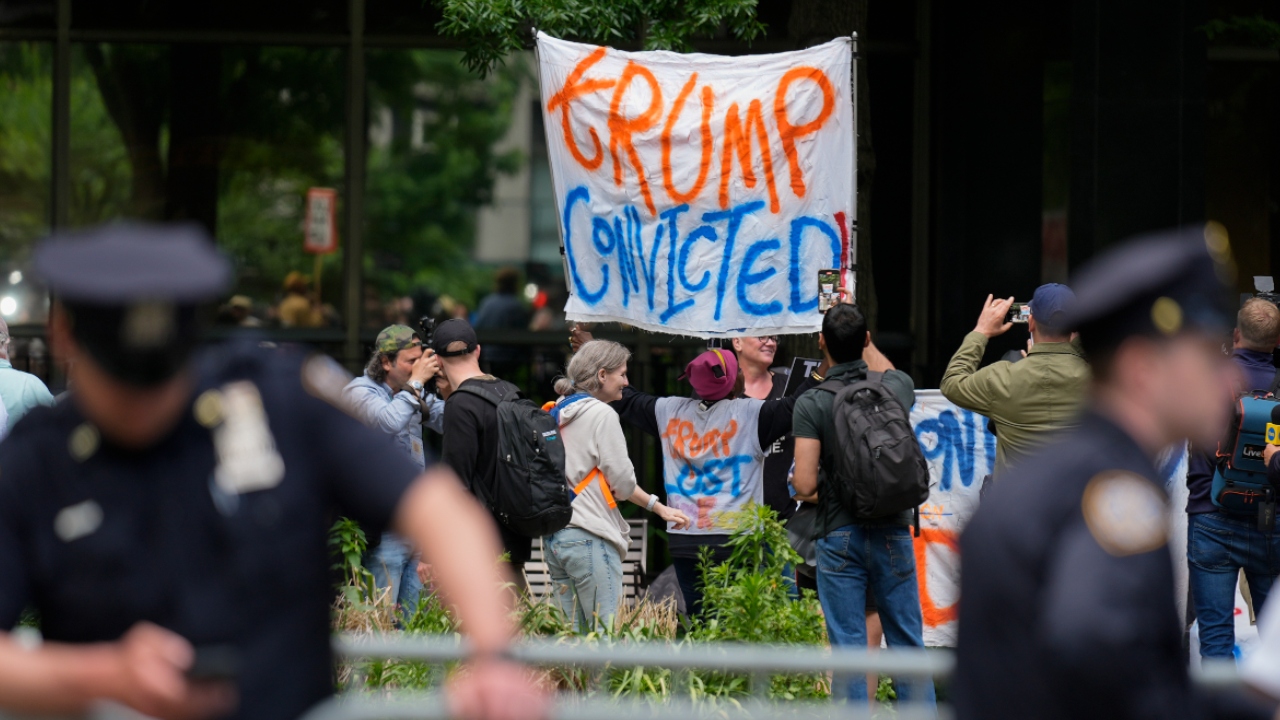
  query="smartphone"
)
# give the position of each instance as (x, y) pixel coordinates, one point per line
(828, 282)
(1019, 313)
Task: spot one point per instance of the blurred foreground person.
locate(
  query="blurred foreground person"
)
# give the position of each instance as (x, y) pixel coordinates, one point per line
(1067, 602)
(169, 524)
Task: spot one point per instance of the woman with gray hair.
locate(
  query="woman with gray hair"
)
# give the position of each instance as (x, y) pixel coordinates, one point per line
(585, 558)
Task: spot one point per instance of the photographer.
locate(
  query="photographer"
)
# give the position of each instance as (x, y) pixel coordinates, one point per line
(391, 396)
(1219, 543)
(1028, 399)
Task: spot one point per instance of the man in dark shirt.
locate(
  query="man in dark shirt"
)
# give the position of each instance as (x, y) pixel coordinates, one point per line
(1220, 544)
(471, 428)
(856, 556)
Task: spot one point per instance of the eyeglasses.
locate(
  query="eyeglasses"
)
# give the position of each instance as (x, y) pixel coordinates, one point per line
(765, 339)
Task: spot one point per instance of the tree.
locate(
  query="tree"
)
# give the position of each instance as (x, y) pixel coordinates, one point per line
(493, 29)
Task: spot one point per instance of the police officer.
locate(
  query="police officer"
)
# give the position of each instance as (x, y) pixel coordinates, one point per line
(1067, 599)
(169, 524)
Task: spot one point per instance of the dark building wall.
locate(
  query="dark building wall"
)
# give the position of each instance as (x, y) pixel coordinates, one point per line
(1138, 119)
(987, 103)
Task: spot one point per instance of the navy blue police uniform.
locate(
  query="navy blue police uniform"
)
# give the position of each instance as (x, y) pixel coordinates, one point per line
(1067, 605)
(217, 531)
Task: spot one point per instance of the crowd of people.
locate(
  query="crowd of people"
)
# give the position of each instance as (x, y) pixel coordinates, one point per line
(167, 521)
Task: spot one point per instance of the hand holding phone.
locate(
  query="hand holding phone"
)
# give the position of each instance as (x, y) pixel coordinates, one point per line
(828, 289)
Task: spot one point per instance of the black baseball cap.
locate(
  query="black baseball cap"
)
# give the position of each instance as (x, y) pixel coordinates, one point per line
(454, 331)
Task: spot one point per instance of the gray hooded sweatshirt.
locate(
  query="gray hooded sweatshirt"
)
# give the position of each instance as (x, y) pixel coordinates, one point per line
(592, 434)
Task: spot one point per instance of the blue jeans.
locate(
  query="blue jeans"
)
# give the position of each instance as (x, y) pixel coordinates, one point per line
(1218, 546)
(394, 565)
(852, 558)
(586, 577)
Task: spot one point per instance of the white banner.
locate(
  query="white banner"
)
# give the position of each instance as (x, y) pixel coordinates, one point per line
(960, 452)
(699, 194)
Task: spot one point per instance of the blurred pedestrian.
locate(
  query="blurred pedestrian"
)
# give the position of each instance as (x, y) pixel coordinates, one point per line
(1067, 603)
(297, 309)
(504, 310)
(19, 391)
(169, 523)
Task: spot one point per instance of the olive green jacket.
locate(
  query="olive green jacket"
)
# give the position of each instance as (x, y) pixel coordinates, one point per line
(1027, 399)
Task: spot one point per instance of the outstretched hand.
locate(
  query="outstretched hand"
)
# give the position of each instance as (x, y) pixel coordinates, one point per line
(994, 318)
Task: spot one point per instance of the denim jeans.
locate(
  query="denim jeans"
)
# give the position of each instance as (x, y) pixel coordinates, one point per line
(850, 559)
(1218, 546)
(586, 574)
(394, 565)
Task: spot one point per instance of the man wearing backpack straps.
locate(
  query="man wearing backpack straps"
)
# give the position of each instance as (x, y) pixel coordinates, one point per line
(471, 427)
(1220, 543)
(855, 551)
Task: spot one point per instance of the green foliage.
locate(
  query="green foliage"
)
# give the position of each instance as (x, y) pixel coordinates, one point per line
(437, 163)
(347, 540)
(748, 599)
(1256, 31)
(494, 29)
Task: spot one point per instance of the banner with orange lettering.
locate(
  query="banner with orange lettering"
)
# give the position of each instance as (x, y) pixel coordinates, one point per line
(960, 452)
(700, 194)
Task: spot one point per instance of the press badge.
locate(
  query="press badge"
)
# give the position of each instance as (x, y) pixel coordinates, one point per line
(247, 457)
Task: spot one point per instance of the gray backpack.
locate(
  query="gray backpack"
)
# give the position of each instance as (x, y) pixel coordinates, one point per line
(880, 470)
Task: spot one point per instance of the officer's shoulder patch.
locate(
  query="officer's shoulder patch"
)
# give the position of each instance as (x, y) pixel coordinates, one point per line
(1125, 513)
(324, 378)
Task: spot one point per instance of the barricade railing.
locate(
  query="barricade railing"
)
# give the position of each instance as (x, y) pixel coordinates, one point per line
(760, 662)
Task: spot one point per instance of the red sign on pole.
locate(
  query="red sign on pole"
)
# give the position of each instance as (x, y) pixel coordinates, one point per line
(320, 235)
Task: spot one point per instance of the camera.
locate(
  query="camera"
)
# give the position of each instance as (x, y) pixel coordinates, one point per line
(427, 331)
(1265, 288)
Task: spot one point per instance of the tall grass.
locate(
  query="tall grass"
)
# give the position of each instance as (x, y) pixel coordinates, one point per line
(749, 598)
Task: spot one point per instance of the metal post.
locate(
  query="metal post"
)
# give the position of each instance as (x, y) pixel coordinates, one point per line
(853, 220)
(60, 210)
(353, 254)
(920, 168)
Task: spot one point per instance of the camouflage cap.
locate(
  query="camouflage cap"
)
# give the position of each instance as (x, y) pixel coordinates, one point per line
(395, 338)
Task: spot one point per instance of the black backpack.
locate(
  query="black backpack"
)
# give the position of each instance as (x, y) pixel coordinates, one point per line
(880, 470)
(530, 494)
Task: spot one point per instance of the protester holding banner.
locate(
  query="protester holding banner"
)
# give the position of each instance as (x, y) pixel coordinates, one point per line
(585, 558)
(762, 382)
(714, 449)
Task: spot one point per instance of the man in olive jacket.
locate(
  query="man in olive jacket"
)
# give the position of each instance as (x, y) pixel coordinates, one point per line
(1028, 399)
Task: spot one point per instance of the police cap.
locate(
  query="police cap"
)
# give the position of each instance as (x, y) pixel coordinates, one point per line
(134, 293)
(1156, 285)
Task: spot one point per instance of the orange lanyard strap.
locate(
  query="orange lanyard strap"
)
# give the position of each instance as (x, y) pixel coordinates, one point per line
(604, 487)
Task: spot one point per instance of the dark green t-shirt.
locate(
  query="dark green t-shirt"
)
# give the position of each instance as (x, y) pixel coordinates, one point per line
(813, 418)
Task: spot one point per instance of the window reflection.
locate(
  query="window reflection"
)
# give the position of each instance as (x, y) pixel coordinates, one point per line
(231, 137)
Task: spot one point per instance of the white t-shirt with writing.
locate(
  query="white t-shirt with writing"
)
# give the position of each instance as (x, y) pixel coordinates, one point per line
(712, 460)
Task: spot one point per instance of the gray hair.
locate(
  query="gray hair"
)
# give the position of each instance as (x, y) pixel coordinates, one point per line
(583, 373)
